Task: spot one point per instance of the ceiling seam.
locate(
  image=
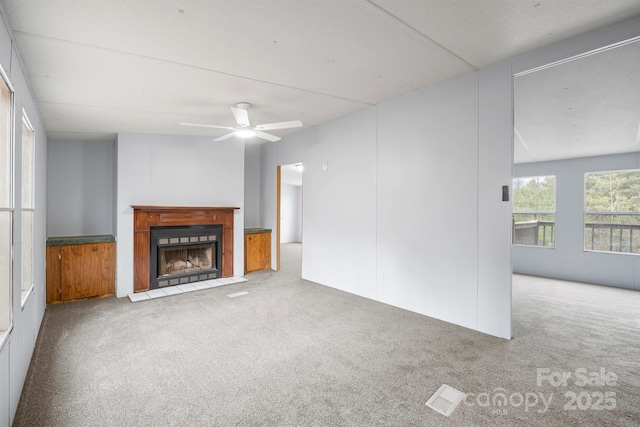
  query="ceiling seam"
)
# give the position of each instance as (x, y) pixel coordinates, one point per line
(197, 68)
(137, 110)
(70, 104)
(81, 132)
(579, 56)
(420, 36)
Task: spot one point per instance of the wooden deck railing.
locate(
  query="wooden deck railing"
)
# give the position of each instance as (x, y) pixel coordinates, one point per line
(598, 236)
(535, 232)
(612, 237)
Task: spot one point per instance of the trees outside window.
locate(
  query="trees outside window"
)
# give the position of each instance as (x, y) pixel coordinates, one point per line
(534, 211)
(612, 211)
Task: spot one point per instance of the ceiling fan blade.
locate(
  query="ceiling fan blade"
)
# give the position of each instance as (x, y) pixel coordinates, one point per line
(267, 136)
(280, 125)
(205, 126)
(242, 117)
(223, 137)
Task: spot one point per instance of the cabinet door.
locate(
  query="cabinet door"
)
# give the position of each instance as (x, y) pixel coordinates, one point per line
(80, 271)
(258, 247)
(53, 274)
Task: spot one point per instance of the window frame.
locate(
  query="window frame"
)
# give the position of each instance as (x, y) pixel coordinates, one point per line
(26, 289)
(586, 213)
(6, 311)
(514, 212)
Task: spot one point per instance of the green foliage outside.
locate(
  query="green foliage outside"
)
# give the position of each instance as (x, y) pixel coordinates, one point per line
(611, 204)
(612, 192)
(616, 192)
(534, 196)
(534, 201)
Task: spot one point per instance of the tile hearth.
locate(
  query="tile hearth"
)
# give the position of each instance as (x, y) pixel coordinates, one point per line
(181, 289)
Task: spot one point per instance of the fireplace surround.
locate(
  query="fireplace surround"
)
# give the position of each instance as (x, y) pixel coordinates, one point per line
(146, 218)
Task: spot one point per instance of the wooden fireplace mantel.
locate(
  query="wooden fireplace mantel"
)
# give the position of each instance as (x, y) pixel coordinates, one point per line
(145, 217)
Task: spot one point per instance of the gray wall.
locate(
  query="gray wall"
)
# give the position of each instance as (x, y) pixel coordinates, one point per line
(80, 186)
(569, 260)
(252, 185)
(16, 347)
(291, 214)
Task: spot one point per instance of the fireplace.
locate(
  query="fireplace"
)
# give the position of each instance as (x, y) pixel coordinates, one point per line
(186, 254)
(184, 266)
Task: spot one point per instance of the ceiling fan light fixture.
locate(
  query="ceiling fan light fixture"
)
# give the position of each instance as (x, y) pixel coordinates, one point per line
(244, 129)
(245, 133)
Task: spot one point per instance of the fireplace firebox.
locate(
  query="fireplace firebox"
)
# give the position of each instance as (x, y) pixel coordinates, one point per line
(184, 254)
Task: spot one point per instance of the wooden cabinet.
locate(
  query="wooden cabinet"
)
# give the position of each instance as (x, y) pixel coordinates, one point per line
(257, 250)
(77, 269)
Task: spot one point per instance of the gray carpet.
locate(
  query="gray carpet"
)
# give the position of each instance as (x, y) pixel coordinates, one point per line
(296, 353)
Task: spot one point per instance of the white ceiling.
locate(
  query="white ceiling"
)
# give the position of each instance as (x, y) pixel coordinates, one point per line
(586, 107)
(100, 67)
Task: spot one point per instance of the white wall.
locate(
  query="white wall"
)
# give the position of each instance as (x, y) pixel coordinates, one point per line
(291, 213)
(175, 171)
(568, 260)
(339, 204)
(252, 185)
(17, 347)
(395, 216)
(80, 185)
(439, 155)
(5, 412)
(427, 232)
(495, 154)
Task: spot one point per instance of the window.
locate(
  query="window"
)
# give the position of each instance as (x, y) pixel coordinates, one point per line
(534, 211)
(27, 214)
(612, 211)
(6, 202)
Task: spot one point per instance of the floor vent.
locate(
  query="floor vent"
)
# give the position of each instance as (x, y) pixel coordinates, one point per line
(238, 294)
(445, 400)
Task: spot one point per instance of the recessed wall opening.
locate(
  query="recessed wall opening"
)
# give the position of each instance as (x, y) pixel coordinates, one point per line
(289, 209)
(577, 120)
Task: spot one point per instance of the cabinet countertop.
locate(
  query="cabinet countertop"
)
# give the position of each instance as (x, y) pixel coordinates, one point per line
(256, 230)
(76, 240)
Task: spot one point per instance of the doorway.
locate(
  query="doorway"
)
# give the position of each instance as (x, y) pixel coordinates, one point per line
(289, 212)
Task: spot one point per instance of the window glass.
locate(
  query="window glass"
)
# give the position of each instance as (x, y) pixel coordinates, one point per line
(27, 163)
(6, 203)
(5, 145)
(612, 211)
(28, 180)
(534, 211)
(27, 253)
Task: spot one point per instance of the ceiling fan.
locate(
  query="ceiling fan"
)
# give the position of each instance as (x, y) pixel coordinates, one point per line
(244, 129)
